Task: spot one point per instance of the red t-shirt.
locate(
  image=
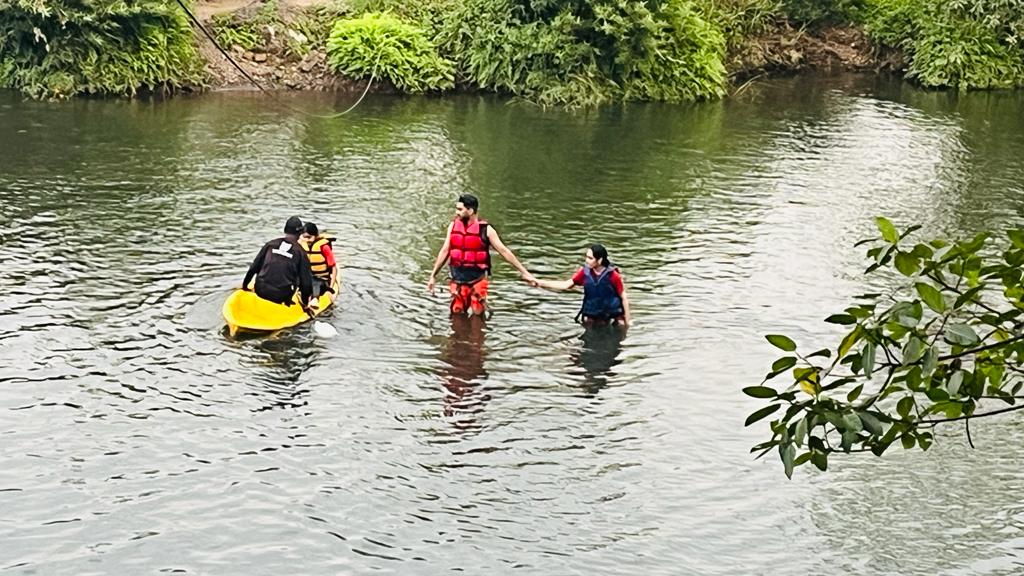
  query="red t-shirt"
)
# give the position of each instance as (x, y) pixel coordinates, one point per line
(328, 255)
(614, 277)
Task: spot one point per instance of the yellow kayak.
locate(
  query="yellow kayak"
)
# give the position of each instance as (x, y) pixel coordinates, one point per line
(244, 310)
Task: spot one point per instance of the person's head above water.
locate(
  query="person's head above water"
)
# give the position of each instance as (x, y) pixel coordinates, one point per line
(466, 206)
(597, 255)
(311, 229)
(293, 225)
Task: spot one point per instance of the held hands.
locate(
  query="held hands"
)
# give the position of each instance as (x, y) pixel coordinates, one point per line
(530, 279)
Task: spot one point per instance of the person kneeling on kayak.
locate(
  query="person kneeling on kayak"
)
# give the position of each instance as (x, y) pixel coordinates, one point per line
(319, 251)
(604, 292)
(281, 267)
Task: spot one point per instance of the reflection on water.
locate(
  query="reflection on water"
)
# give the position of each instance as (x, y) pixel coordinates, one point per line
(283, 359)
(462, 371)
(137, 438)
(598, 354)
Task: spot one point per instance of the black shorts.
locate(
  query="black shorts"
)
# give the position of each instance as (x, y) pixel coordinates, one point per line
(277, 297)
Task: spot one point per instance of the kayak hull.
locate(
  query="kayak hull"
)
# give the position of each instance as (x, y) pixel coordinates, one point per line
(245, 311)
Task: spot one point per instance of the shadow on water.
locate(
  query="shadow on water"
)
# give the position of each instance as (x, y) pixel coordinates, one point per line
(462, 372)
(598, 355)
(281, 361)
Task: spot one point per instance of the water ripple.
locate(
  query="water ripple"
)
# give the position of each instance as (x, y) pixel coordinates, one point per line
(139, 437)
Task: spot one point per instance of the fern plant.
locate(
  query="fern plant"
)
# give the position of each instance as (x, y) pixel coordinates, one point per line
(382, 45)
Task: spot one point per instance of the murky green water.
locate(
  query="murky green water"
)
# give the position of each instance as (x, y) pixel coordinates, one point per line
(136, 438)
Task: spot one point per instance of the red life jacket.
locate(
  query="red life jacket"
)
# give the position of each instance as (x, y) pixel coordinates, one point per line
(468, 245)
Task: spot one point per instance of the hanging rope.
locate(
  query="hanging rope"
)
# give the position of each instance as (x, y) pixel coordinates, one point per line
(261, 88)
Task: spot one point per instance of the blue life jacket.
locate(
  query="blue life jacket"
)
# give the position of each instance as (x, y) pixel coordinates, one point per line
(599, 297)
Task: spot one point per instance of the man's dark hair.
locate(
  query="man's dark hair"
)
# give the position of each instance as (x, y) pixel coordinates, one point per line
(470, 201)
(311, 229)
(600, 254)
(293, 225)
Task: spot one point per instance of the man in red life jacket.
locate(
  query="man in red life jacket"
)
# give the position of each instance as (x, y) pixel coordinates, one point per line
(467, 250)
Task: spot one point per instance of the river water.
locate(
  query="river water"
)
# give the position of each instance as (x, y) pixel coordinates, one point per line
(136, 437)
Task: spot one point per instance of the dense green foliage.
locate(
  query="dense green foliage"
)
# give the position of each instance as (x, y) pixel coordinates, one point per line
(382, 45)
(818, 12)
(946, 345)
(580, 51)
(962, 44)
(565, 52)
(268, 30)
(588, 51)
(741, 19)
(57, 48)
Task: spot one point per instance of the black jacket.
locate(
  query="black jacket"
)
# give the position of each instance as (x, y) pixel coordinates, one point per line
(280, 267)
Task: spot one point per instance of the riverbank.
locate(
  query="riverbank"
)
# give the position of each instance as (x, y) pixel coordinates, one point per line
(787, 50)
(560, 54)
(779, 51)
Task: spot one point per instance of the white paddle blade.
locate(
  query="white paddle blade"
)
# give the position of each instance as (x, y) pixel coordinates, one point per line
(324, 330)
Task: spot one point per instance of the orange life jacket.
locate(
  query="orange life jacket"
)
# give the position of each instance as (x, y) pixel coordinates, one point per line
(317, 261)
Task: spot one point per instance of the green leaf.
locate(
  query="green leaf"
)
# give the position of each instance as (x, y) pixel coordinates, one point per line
(760, 392)
(848, 439)
(925, 440)
(800, 432)
(852, 423)
(861, 312)
(868, 296)
(783, 364)
(907, 264)
(849, 340)
(781, 342)
(787, 453)
(1017, 237)
(960, 335)
(871, 424)
(904, 406)
(868, 359)
(820, 460)
(855, 393)
(888, 231)
(844, 319)
(823, 352)
(922, 251)
(931, 297)
(954, 382)
(930, 360)
(907, 314)
(968, 296)
(759, 414)
(908, 441)
(912, 350)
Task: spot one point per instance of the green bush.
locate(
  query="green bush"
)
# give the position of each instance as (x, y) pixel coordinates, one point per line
(312, 27)
(230, 33)
(381, 45)
(428, 14)
(588, 51)
(823, 11)
(58, 48)
(963, 45)
(679, 55)
(964, 54)
(741, 19)
(892, 23)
